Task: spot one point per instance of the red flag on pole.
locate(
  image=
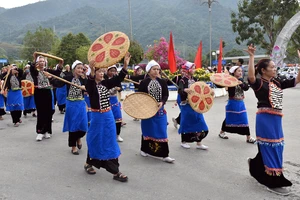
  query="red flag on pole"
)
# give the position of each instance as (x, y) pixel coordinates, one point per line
(171, 56)
(220, 57)
(198, 57)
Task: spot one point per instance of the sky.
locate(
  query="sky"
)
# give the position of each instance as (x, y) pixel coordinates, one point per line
(15, 3)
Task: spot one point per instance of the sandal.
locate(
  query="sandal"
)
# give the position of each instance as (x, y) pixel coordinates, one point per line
(223, 135)
(79, 146)
(251, 140)
(120, 177)
(89, 169)
(74, 152)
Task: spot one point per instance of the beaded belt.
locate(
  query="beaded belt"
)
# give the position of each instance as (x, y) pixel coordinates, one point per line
(101, 110)
(270, 111)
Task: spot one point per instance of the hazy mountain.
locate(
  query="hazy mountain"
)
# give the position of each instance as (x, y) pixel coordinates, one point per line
(151, 19)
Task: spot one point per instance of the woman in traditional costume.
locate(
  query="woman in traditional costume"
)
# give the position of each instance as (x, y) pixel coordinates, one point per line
(15, 103)
(29, 104)
(75, 121)
(236, 120)
(266, 167)
(103, 148)
(43, 98)
(193, 127)
(154, 129)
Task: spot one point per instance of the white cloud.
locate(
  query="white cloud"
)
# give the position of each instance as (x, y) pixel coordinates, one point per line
(15, 3)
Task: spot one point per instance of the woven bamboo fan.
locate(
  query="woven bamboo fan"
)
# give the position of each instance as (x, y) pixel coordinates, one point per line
(48, 56)
(201, 99)
(140, 105)
(109, 49)
(224, 80)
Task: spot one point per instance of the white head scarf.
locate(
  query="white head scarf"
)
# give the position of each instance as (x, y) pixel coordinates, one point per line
(88, 70)
(232, 69)
(151, 64)
(113, 66)
(136, 67)
(77, 62)
(188, 65)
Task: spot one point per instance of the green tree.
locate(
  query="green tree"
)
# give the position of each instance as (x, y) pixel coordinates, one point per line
(260, 21)
(137, 52)
(69, 45)
(41, 40)
(81, 53)
(234, 52)
(3, 53)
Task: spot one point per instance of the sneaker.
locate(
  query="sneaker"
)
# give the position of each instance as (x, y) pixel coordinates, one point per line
(144, 154)
(202, 146)
(168, 159)
(47, 135)
(280, 191)
(223, 135)
(185, 145)
(39, 137)
(175, 124)
(119, 139)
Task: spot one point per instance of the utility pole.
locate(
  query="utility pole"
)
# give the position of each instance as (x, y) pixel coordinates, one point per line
(209, 3)
(130, 20)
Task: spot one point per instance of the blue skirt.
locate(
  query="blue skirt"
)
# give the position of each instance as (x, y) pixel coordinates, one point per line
(1, 101)
(29, 103)
(75, 119)
(155, 128)
(88, 103)
(236, 114)
(61, 95)
(191, 121)
(116, 108)
(270, 141)
(14, 100)
(102, 137)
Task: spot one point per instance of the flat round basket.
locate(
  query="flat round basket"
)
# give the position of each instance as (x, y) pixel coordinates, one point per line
(109, 49)
(48, 56)
(140, 105)
(201, 99)
(224, 80)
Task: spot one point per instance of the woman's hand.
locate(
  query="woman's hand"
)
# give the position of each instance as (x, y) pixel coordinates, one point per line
(251, 50)
(160, 104)
(188, 91)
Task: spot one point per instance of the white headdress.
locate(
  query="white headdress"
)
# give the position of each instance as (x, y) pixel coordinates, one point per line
(77, 62)
(233, 68)
(151, 64)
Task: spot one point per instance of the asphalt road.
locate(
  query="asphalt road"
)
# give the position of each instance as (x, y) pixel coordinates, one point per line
(47, 170)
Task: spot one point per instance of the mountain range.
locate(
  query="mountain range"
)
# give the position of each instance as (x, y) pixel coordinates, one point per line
(151, 19)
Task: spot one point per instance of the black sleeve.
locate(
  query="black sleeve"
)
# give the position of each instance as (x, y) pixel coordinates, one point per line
(143, 86)
(136, 78)
(120, 77)
(90, 84)
(20, 74)
(33, 71)
(287, 83)
(244, 85)
(165, 91)
(182, 85)
(7, 84)
(256, 85)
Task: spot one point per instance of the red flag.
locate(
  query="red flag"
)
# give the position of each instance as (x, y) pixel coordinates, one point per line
(171, 56)
(220, 57)
(198, 57)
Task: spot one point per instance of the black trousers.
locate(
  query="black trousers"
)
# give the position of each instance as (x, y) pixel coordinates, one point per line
(61, 107)
(16, 115)
(43, 102)
(74, 136)
(178, 119)
(111, 166)
(118, 126)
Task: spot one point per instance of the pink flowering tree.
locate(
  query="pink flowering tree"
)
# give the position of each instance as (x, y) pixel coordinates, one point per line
(159, 53)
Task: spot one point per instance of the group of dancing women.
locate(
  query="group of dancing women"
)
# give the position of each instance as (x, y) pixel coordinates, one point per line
(96, 94)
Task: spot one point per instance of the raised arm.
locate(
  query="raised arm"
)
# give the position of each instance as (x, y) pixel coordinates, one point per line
(251, 71)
